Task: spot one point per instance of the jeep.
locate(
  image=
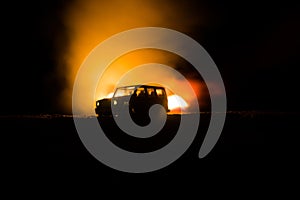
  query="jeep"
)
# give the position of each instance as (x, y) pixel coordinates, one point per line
(139, 99)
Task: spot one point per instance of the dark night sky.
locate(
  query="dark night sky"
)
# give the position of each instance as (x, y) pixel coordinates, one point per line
(255, 44)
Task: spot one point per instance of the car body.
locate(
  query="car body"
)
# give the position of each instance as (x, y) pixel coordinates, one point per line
(139, 99)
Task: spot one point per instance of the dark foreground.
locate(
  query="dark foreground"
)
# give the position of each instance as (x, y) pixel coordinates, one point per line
(253, 148)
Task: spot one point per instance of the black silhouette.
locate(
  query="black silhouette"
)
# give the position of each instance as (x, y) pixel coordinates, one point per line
(139, 99)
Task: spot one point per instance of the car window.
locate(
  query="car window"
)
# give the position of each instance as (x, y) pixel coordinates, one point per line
(126, 91)
(160, 92)
(140, 92)
(151, 92)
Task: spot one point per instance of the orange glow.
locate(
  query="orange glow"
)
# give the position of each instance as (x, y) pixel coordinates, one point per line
(110, 95)
(90, 22)
(110, 79)
(175, 102)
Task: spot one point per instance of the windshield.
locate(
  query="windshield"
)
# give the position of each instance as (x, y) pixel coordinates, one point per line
(125, 91)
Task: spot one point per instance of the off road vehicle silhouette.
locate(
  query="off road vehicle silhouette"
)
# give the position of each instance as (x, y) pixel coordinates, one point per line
(139, 99)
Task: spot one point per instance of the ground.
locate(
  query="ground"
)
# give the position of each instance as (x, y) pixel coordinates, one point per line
(254, 147)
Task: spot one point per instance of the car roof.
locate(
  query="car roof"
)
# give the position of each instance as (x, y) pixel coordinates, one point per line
(137, 86)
